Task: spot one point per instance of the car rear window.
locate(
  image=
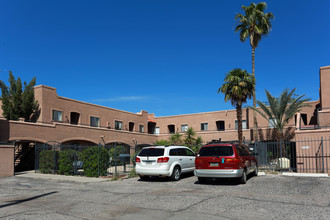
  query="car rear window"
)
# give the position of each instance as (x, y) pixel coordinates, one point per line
(216, 151)
(152, 152)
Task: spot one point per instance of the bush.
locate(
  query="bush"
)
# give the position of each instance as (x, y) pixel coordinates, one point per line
(47, 161)
(66, 161)
(120, 150)
(96, 161)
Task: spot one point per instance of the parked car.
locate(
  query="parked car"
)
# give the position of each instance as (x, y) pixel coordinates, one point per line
(165, 161)
(225, 160)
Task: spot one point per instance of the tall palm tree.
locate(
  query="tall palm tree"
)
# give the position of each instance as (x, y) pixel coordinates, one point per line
(238, 87)
(253, 25)
(281, 110)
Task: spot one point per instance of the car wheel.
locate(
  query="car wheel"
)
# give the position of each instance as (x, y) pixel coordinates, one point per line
(144, 177)
(243, 178)
(176, 174)
(255, 173)
(202, 179)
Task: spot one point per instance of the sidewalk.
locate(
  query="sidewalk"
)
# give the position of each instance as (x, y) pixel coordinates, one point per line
(80, 179)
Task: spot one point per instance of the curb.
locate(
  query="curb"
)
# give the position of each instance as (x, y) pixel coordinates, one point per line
(305, 174)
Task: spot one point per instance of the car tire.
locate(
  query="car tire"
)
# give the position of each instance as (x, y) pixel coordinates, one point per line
(255, 173)
(202, 179)
(243, 178)
(176, 174)
(144, 178)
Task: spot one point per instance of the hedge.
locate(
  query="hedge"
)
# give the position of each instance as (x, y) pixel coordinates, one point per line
(96, 161)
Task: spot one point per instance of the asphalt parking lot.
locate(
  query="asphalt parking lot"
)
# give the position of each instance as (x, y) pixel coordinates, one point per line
(263, 197)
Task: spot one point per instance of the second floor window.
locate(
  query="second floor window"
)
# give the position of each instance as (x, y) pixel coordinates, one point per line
(243, 124)
(95, 122)
(118, 125)
(141, 128)
(184, 128)
(272, 122)
(57, 115)
(204, 126)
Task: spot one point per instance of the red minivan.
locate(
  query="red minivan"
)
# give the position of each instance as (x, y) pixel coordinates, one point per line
(225, 160)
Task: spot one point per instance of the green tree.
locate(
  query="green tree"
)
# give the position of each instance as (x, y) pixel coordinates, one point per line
(175, 139)
(29, 104)
(191, 140)
(162, 143)
(16, 101)
(238, 87)
(254, 24)
(281, 110)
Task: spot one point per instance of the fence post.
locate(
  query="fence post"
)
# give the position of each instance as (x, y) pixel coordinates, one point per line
(281, 163)
(35, 157)
(115, 159)
(322, 155)
(54, 159)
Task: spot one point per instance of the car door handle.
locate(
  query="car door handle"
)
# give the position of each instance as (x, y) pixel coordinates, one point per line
(190, 159)
(180, 159)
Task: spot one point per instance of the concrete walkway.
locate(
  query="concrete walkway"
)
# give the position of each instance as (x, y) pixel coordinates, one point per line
(80, 179)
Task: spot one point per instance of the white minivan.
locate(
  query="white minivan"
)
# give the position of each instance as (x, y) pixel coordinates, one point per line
(165, 161)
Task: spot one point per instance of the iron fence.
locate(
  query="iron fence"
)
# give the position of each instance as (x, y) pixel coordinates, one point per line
(102, 160)
(299, 155)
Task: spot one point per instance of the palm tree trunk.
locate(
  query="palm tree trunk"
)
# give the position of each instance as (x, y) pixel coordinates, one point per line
(239, 122)
(255, 123)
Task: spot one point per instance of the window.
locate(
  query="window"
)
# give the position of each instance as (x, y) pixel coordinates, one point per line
(157, 130)
(243, 124)
(220, 125)
(216, 151)
(141, 128)
(57, 115)
(152, 152)
(118, 125)
(184, 128)
(171, 129)
(74, 116)
(204, 126)
(131, 126)
(242, 151)
(271, 122)
(190, 153)
(95, 121)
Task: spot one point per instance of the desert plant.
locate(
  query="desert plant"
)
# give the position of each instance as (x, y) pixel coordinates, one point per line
(238, 87)
(254, 24)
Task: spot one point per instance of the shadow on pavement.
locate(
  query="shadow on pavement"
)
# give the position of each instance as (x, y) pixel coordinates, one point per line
(15, 202)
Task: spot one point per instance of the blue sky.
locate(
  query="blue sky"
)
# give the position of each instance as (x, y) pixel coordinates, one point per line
(167, 57)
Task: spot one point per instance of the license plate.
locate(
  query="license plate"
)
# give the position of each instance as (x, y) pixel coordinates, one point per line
(214, 164)
(148, 162)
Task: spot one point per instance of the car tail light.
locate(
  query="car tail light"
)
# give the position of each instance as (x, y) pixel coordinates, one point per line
(232, 160)
(163, 160)
(137, 160)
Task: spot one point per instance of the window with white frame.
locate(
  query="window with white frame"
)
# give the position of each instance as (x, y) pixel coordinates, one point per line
(57, 115)
(243, 124)
(157, 130)
(184, 128)
(204, 126)
(94, 121)
(272, 122)
(141, 128)
(118, 125)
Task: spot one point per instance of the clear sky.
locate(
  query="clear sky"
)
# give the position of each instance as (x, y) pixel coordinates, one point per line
(167, 57)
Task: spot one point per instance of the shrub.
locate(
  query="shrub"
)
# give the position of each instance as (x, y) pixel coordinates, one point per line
(47, 161)
(96, 161)
(120, 150)
(66, 161)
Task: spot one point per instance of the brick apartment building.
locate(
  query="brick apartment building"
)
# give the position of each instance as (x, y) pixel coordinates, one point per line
(69, 121)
